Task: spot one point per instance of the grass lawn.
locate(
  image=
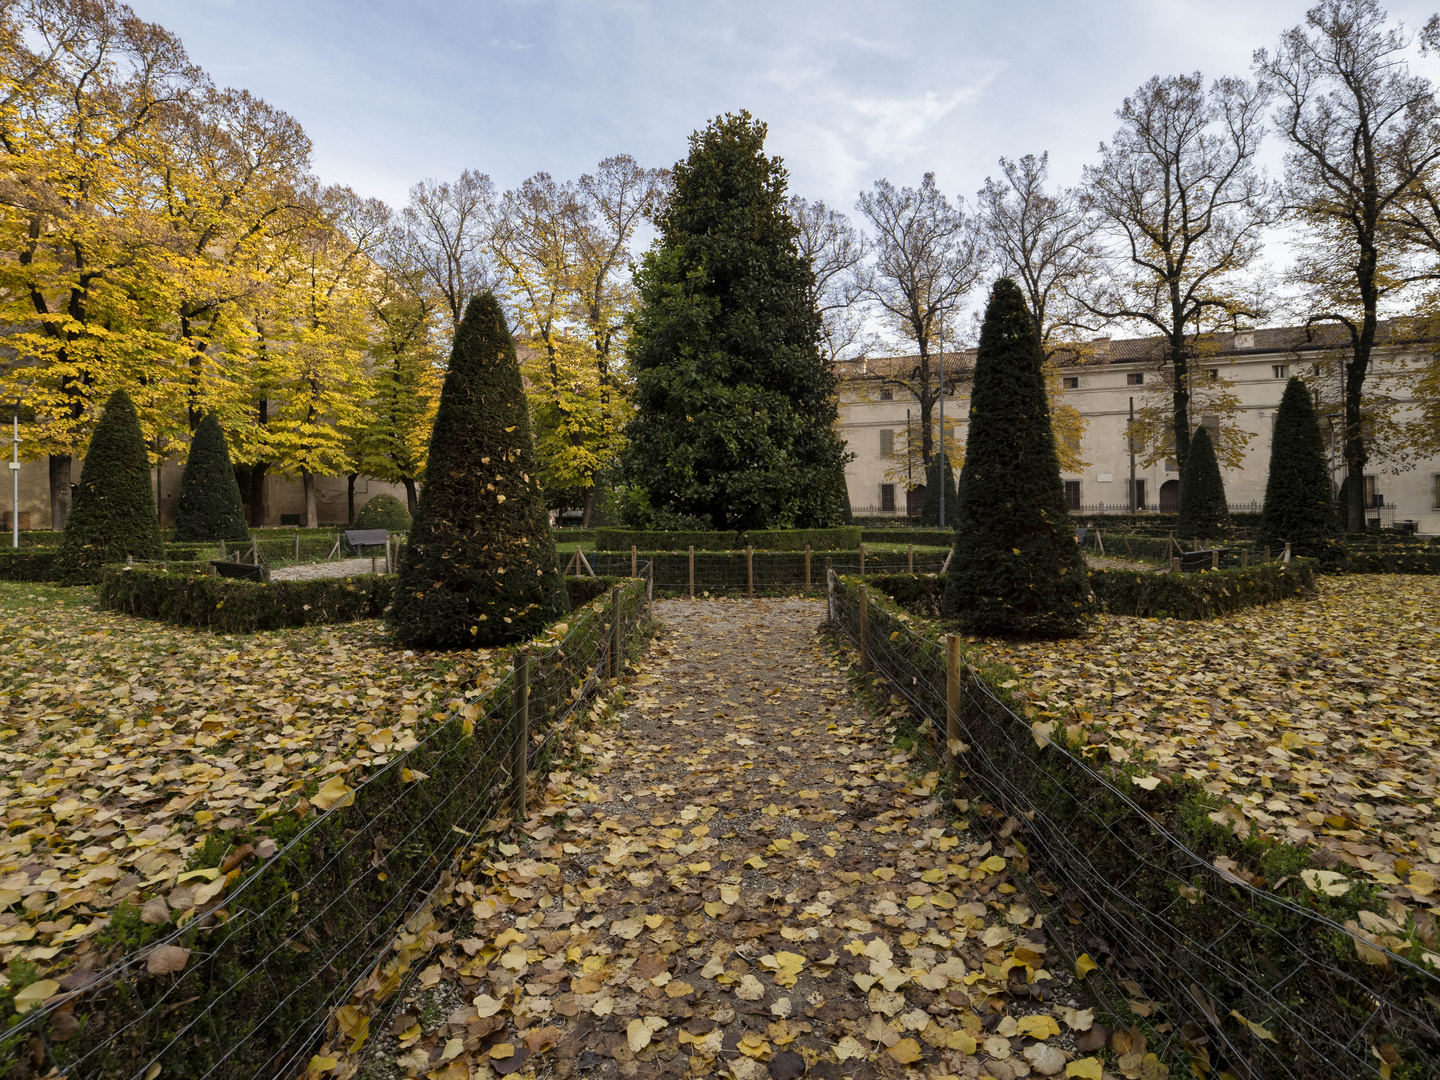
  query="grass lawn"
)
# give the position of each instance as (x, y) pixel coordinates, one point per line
(124, 744)
(1314, 721)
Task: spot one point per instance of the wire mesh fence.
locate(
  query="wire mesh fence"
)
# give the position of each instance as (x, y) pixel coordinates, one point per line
(244, 987)
(1244, 981)
(760, 573)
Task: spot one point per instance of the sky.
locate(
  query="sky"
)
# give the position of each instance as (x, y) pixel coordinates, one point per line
(392, 93)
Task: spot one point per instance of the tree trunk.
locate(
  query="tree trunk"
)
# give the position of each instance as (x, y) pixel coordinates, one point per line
(160, 494)
(350, 498)
(589, 507)
(1179, 364)
(312, 514)
(412, 501)
(59, 490)
(257, 494)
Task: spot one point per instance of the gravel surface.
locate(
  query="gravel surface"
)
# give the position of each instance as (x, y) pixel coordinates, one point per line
(315, 571)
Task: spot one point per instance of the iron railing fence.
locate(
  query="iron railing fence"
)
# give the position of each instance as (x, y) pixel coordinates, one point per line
(1250, 981)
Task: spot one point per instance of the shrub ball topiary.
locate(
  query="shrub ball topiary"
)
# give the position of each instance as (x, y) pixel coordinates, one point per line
(479, 568)
(1203, 512)
(384, 512)
(114, 510)
(1299, 498)
(210, 508)
(1016, 567)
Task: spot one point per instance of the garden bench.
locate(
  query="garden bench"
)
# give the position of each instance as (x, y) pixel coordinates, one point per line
(1194, 561)
(239, 571)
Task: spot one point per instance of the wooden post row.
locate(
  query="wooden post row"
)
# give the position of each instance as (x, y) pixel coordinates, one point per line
(520, 748)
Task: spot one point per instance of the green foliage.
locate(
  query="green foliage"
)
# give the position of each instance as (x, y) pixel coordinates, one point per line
(1203, 512)
(930, 509)
(736, 417)
(1299, 496)
(1017, 568)
(479, 569)
(210, 507)
(1205, 595)
(582, 590)
(114, 509)
(228, 606)
(33, 564)
(632, 506)
(384, 512)
(918, 537)
(837, 539)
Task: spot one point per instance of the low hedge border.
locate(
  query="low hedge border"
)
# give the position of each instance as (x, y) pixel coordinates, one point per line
(919, 537)
(1133, 873)
(775, 573)
(1142, 593)
(187, 596)
(290, 937)
(844, 538)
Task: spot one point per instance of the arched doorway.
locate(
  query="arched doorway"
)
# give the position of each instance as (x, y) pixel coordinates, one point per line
(1170, 497)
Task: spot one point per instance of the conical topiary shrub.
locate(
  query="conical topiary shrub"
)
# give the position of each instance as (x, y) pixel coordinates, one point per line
(1299, 503)
(1016, 567)
(480, 568)
(1203, 512)
(114, 510)
(384, 512)
(210, 507)
(930, 508)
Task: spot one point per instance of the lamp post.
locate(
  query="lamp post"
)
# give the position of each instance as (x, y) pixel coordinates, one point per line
(941, 473)
(1135, 506)
(15, 480)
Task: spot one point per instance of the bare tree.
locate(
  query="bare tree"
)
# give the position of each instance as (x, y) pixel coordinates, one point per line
(929, 256)
(837, 253)
(450, 223)
(1180, 207)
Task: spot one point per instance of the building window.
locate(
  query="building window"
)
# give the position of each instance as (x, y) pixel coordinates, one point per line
(1135, 378)
(1072, 441)
(1171, 465)
(1435, 501)
(1282, 371)
(1213, 374)
(1137, 496)
(1212, 425)
(1070, 382)
(887, 442)
(1373, 498)
(1072, 494)
(1314, 369)
(887, 497)
(887, 395)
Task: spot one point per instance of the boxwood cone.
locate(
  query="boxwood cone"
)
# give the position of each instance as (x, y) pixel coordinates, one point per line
(480, 567)
(210, 507)
(1203, 511)
(1017, 568)
(114, 510)
(1299, 507)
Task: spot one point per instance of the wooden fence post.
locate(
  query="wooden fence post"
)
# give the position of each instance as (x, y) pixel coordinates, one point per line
(1286, 557)
(1214, 558)
(1128, 552)
(520, 731)
(807, 568)
(617, 634)
(946, 564)
(692, 571)
(1175, 565)
(749, 571)
(862, 560)
(297, 543)
(864, 629)
(952, 696)
(222, 548)
(1244, 556)
(633, 565)
(829, 594)
(1267, 552)
(909, 558)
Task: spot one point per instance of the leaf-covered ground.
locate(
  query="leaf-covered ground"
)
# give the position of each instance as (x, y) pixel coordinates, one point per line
(1315, 720)
(741, 878)
(124, 744)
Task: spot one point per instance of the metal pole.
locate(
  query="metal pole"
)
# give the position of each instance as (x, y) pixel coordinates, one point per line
(15, 482)
(941, 470)
(1135, 506)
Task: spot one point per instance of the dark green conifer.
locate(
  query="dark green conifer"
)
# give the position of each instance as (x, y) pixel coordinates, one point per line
(1203, 511)
(210, 507)
(114, 510)
(930, 508)
(479, 569)
(1016, 567)
(736, 411)
(384, 512)
(1299, 499)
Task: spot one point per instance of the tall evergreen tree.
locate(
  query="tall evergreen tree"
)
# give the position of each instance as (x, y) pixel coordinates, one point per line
(930, 507)
(210, 506)
(736, 410)
(1299, 499)
(1016, 567)
(480, 568)
(1203, 511)
(113, 514)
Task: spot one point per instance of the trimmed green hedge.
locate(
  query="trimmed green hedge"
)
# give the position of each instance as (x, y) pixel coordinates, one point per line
(1142, 593)
(839, 539)
(28, 564)
(920, 537)
(573, 536)
(584, 589)
(1376, 561)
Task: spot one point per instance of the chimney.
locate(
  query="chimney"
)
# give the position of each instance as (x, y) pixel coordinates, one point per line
(1245, 339)
(1101, 347)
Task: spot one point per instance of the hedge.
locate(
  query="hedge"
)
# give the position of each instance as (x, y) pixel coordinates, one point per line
(28, 564)
(573, 536)
(920, 537)
(309, 920)
(1137, 869)
(1144, 593)
(1377, 561)
(1241, 522)
(775, 572)
(838, 539)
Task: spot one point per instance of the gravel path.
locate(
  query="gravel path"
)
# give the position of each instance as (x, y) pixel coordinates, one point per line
(741, 878)
(315, 571)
